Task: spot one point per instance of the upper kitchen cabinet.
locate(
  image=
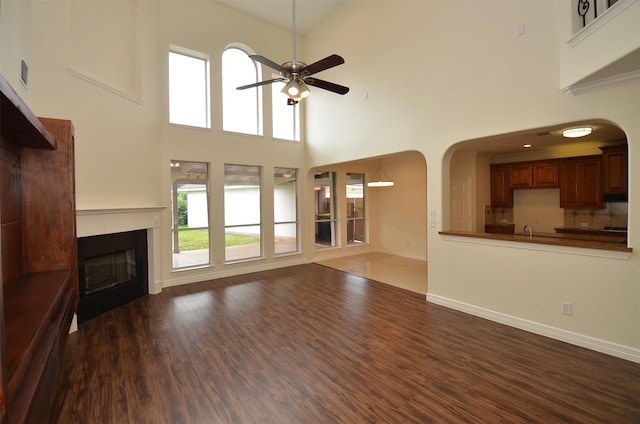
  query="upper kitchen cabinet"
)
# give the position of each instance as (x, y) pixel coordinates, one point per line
(580, 183)
(521, 175)
(501, 193)
(545, 175)
(538, 174)
(614, 164)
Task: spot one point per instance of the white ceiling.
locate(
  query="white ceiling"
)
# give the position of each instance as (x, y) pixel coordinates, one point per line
(545, 139)
(309, 13)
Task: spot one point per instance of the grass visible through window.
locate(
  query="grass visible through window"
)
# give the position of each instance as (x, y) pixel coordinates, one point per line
(199, 239)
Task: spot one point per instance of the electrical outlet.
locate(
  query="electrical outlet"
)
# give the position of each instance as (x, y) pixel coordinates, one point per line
(566, 308)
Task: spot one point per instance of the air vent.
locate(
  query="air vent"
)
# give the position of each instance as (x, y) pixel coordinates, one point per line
(24, 72)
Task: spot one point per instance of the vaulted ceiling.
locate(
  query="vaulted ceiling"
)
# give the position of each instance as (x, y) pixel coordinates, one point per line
(309, 13)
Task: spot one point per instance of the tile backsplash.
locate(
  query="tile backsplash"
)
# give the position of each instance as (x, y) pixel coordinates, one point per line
(497, 215)
(613, 215)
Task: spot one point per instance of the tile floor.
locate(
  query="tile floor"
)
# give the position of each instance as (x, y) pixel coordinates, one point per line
(406, 273)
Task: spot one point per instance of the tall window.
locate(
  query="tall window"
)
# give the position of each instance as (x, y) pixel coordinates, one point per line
(190, 213)
(285, 210)
(356, 222)
(241, 109)
(189, 88)
(325, 209)
(242, 212)
(286, 118)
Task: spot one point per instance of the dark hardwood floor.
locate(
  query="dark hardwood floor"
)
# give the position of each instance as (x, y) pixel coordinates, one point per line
(310, 344)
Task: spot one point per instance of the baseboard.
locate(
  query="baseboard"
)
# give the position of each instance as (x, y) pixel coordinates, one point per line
(598, 345)
(196, 275)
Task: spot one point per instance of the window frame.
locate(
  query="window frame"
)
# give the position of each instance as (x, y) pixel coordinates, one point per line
(354, 220)
(279, 99)
(331, 222)
(175, 232)
(281, 172)
(193, 54)
(258, 224)
(259, 101)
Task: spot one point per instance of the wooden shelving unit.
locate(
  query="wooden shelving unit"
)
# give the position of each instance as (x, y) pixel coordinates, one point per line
(39, 256)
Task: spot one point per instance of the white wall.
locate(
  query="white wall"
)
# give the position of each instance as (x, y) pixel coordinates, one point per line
(111, 82)
(424, 76)
(402, 209)
(427, 75)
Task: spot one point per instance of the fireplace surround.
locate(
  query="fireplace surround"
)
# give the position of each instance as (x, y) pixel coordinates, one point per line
(112, 270)
(94, 222)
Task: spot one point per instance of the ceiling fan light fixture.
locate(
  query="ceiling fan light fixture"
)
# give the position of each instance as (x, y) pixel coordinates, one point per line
(577, 132)
(296, 89)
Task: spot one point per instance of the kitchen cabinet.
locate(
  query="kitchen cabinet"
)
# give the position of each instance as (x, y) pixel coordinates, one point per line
(614, 172)
(545, 175)
(501, 193)
(39, 278)
(580, 182)
(538, 174)
(499, 228)
(521, 175)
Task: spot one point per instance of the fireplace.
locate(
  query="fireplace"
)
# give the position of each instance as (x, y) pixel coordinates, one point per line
(112, 270)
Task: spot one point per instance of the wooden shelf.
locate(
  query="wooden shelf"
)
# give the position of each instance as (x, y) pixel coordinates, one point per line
(29, 303)
(38, 312)
(39, 256)
(18, 123)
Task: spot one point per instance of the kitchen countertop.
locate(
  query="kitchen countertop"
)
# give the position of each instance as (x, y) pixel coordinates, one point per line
(589, 241)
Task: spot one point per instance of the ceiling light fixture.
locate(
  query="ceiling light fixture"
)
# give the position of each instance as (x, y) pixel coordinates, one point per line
(296, 89)
(526, 146)
(577, 132)
(383, 180)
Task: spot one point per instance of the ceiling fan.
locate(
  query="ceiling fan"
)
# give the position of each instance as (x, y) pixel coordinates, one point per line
(298, 74)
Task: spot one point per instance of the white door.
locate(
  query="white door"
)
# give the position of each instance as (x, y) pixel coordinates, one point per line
(460, 205)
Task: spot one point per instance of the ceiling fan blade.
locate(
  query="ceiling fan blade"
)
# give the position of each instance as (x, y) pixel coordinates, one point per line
(326, 85)
(323, 64)
(271, 64)
(257, 84)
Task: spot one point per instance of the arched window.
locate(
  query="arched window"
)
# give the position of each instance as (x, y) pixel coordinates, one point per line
(241, 109)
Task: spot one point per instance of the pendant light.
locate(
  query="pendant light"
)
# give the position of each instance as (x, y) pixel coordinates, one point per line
(380, 179)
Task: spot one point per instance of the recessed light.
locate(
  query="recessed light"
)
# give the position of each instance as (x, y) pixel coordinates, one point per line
(576, 132)
(526, 146)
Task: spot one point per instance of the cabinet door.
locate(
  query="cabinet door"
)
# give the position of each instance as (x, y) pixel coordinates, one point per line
(614, 177)
(545, 175)
(520, 176)
(580, 184)
(501, 194)
(569, 193)
(591, 189)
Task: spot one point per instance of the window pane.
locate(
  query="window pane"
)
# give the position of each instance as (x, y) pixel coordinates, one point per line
(286, 119)
(242, 212)
(285, 210)
(325, 209)
(356, 222)
(188, 90)
(241, 109)
(190, 213)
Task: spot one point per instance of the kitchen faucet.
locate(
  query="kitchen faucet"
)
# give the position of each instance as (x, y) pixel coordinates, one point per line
(524, 230)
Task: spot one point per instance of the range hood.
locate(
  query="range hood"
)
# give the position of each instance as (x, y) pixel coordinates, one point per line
(618, 197)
